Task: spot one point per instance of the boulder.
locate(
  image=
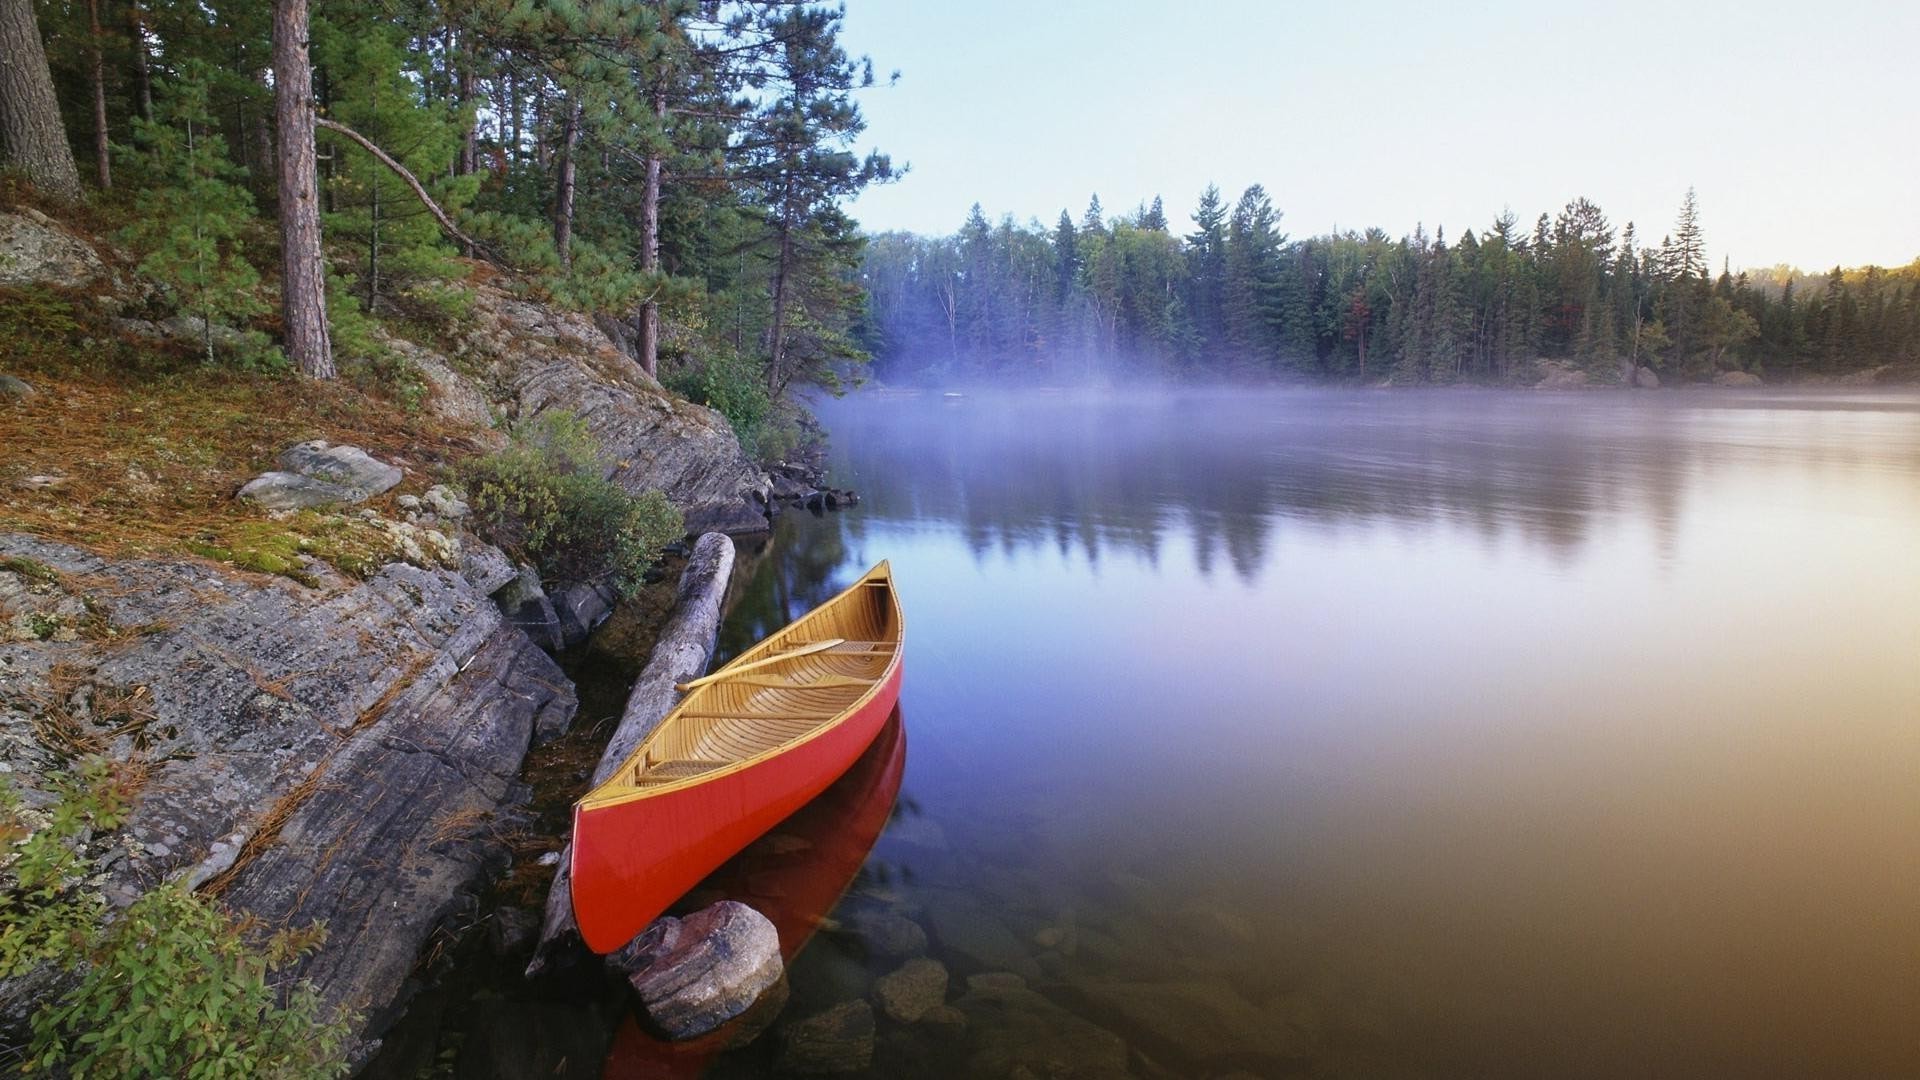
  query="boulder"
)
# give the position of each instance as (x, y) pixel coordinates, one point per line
(838, 1040)
(580, 607)
(525, 603)
(13, 389)
(1645, 379)
(1736, 379)
(34, 250)
(906, 994)
(346, 754)
(318, 473)
(694, 974)
(1559, 375)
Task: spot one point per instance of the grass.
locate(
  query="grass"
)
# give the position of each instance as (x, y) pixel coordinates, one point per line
(132, 448)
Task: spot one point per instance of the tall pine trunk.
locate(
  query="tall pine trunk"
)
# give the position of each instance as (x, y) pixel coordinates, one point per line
(142, 77)
(97, 75)
(303, 275)
(650, 244)
(563, 196)
(32, 141)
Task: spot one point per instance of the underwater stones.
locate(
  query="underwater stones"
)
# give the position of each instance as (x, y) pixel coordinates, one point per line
(906, 994)
(974, 936)
(696, 973)
(889, 934)
(1195, 1023)
(835, 1041)
(1013, 1029)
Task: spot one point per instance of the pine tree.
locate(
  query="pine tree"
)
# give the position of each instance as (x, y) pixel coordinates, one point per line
(196, 211)
(32, 140)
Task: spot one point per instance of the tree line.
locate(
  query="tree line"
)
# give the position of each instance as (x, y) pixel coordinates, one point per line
(618, 156)
(1235, 297)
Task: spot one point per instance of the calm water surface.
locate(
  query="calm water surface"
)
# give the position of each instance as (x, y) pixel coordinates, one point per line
(1393, 734)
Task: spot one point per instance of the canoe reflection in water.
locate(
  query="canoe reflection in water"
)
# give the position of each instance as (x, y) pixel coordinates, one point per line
(794, 875)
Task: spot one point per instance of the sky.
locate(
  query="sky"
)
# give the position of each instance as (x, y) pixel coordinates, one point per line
(1798, 124)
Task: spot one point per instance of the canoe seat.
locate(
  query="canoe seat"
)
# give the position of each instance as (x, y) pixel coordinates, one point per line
(676, 769)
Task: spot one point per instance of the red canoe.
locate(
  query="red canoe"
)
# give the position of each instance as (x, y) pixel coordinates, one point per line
(747, 746)
(794, 875)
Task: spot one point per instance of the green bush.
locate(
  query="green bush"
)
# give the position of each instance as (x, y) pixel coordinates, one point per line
(172, 986)
(734, 386)
(545, 499)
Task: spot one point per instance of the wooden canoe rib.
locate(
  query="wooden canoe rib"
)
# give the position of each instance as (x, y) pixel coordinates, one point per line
(735, 757)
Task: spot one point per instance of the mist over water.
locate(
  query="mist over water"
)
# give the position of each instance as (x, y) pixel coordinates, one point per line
(1503, 734)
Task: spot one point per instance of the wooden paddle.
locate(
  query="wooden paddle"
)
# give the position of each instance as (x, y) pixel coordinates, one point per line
(726, 673)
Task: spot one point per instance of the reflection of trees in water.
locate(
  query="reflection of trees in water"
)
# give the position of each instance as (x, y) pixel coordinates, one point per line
(1093, 475)
(776, 581)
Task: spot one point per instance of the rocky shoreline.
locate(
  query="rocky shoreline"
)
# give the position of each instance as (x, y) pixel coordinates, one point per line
(320, 745)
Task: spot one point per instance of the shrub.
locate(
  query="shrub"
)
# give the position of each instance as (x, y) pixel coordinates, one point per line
(546, 500)
(733, 386)
(172, 986)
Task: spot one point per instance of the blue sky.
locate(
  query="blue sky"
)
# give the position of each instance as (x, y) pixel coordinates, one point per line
(1798, 123)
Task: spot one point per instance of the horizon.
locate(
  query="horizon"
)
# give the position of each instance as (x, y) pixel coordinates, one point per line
(1408, 147)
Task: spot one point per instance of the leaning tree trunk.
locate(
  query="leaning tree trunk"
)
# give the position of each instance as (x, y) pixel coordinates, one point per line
(681, 652)
(32, 142)
(303, 284)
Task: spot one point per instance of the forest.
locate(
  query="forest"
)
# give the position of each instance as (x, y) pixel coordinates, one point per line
(1131, 296)
(642, 160)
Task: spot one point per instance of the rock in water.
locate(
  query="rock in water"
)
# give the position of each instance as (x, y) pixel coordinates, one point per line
(696, 973)
(1646, 379)
(835, 1041)
(907, 994)
(1736, 379)
(318, 473)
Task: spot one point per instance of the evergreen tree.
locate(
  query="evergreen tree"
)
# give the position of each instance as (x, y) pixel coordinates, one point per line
(189, 232)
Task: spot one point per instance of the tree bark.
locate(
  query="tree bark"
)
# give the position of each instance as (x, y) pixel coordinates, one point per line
(142, 77)
(303, 279)
(563, 197)
(650, 244)
(32, 140)
(682, 652)
(97, 75)
(783, 271)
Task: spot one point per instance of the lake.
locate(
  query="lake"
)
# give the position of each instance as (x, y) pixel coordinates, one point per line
(1388, 733)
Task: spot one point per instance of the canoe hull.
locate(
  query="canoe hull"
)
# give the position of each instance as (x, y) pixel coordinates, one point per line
(632, 860)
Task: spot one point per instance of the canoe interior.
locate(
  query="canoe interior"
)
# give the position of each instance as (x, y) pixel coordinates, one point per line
(758, 713)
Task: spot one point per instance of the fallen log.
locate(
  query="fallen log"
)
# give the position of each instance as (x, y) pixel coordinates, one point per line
(683, 651)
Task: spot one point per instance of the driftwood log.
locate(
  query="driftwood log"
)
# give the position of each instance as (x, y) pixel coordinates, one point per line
(683, 651)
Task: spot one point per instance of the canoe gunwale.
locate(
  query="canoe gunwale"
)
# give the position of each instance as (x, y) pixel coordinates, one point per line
(616, 792)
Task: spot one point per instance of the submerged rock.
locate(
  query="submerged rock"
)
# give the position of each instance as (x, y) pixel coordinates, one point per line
(318, 473)
(835, 1041)
(906, 994)
(973, 936)
(1012, 1028)
(888, 934)
(1195, 1023)
(694, 974)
